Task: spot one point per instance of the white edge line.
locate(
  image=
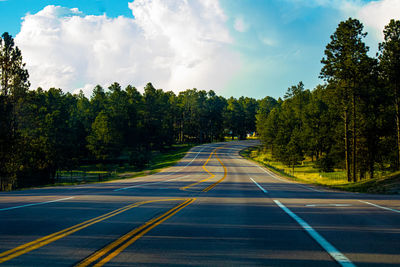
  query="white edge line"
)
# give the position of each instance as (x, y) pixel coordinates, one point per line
(129, 187)
(309, 188)
(140, 185)
(34, 204)
(259, 186)
(335, 254)
(328, 205)
(378, 206)
(276, 177)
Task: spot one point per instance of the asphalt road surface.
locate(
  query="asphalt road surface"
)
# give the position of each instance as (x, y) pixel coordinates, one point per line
(212, 209)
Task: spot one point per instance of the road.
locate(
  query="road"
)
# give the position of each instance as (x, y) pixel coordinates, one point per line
(214, 208)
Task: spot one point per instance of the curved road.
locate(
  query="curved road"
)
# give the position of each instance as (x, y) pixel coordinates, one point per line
(214, 208)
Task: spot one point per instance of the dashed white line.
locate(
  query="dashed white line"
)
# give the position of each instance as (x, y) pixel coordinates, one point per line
(378, 206)
(34, 204)
(259, 186)
(335, 254)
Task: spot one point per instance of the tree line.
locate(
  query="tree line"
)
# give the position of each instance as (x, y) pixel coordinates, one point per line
(43, 131)
(352, 121)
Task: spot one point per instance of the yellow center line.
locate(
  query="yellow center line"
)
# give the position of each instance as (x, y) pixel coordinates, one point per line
(204, 167)
(40, 242)
(113, 249)
(214, 152)
(220, 180)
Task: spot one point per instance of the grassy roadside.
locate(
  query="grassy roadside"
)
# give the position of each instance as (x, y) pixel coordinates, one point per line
(386, 184)
(159, 161)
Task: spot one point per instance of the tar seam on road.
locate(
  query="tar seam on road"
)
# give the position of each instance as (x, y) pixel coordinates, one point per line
(35, 204)
(335, 254)
(40, 242)
(129, 187)
(259, 186)
(378, 206)
(113, 249)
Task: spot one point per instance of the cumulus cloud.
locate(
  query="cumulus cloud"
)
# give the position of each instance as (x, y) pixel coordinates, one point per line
(240, 25)
(377, 14)
(175, 44)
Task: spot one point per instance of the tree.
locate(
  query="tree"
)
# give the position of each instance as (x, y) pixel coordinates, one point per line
(343, 67)
(104, 141)
(265, 106)
(13, 86)
(235, 118)
(389, 60)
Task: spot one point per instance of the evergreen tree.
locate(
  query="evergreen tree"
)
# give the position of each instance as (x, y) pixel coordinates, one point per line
(389, 60)
(342, 67)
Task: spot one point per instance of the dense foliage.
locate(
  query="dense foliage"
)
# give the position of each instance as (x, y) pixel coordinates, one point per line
(352, 121)
(42, 132)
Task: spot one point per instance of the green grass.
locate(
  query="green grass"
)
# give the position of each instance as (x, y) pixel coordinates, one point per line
(108, 172)
(389, 184)
(307, 172)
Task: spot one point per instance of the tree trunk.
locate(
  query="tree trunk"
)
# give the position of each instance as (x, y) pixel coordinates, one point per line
(354, 156)
(346, 144)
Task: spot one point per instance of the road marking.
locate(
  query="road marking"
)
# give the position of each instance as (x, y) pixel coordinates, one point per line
(259, 186)
(193, 158)
(328, 205)
(151, 183)
(40, 242)
(309, 188)
(276, 177)
(204, 167)
(220, 180)
(335, 254)
(378, 206)
(35, 204)
(113, 249)
(129, 187)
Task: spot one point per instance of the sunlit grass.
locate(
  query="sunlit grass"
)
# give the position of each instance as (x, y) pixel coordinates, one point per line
(307, 172)
(304, 172)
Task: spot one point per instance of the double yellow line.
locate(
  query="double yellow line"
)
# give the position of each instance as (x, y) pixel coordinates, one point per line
(208, 188)
(214, 152)
(204, 167)
(107, 253)
(40, 242)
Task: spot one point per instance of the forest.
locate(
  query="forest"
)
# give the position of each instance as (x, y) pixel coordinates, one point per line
(350, 122)
(44, 131)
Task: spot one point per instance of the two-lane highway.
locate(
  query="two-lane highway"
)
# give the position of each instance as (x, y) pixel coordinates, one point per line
(214, 208)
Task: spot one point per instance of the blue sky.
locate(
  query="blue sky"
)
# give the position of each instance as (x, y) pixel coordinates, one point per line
(234, 47)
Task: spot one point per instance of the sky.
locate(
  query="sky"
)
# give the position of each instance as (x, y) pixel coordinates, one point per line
(253, 48)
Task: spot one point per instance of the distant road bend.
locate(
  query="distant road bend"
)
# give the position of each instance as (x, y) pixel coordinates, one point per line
(214, 208)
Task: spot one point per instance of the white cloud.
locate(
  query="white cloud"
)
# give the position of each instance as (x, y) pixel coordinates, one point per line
(176, 44)
(376, 15)
(240, 25)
